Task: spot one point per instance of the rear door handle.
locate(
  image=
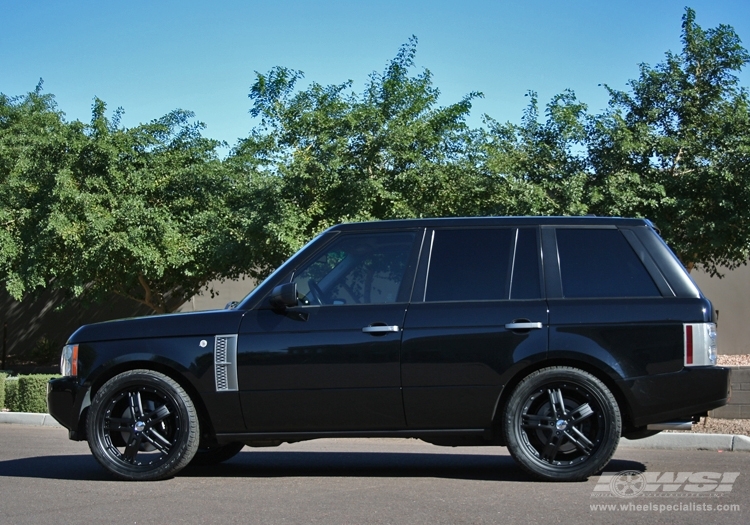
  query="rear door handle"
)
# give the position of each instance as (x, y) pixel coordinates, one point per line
(523, 326)
(379, 329)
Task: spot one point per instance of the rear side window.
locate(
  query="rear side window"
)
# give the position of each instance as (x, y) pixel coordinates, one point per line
(601, 263)
(470, 265)
(477, 265)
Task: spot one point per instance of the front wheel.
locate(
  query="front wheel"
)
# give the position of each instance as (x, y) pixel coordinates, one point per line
(142, 425)
(562, 424)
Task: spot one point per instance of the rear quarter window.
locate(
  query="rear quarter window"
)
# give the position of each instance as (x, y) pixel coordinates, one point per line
(601, 263)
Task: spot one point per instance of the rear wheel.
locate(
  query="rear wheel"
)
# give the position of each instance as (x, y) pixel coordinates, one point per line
(142, 425)
(562, 424)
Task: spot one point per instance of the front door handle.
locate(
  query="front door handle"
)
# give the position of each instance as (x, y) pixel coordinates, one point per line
(523, 326)
(379, 329)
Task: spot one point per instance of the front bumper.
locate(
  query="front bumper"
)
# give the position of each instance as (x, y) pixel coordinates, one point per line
(66, 400)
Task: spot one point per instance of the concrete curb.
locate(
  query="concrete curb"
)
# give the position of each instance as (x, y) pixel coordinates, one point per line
(28, 418)
(675, 441)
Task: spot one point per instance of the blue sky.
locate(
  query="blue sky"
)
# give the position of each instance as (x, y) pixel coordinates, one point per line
(150, 57)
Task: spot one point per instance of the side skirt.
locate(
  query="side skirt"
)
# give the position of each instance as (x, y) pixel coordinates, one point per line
(464, 436)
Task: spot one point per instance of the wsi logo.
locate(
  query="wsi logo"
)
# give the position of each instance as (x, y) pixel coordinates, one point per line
(631, 483)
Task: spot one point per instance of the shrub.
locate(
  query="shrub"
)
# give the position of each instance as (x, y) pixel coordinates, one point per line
(2, 389)
(11, 394)
(32, 393)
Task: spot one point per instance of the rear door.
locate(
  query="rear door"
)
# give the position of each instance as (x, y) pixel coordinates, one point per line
(477, 314)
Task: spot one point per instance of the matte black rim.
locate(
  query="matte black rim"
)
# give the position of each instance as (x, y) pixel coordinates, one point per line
(141, 427)
(562, 424)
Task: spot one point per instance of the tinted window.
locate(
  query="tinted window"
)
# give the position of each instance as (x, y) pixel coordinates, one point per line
(526, 266)
(601, 263)
(358, 269)
(470, 265)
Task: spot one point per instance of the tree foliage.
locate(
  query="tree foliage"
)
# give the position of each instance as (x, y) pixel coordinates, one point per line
(675, 148)
(101, 209)
(35, 146)
(154, 214)
(324, 154)
(540, 167)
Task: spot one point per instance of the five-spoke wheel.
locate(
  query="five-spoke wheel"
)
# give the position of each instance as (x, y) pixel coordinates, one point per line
(562, 424)
(142, 425)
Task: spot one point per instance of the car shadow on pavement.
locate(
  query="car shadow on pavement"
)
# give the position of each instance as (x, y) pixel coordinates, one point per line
(77, 467)
(484, 467)
(252, 464)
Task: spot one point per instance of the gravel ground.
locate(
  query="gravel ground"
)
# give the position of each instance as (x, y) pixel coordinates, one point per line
(712, 425)
(734, 360)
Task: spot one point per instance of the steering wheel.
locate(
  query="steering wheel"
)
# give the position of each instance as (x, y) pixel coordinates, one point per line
(317, 292)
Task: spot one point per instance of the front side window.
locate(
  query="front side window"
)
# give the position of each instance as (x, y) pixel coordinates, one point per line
(362, 268)
(601, 263)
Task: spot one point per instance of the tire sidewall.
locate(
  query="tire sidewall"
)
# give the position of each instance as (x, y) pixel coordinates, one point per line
(182, 450)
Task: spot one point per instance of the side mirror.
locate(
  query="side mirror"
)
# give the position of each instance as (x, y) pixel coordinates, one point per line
(284, 296)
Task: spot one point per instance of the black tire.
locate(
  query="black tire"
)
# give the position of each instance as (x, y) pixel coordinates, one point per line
(562, 424)
(216, 454)
(142, 426)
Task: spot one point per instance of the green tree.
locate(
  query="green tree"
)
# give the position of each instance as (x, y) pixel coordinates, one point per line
(98, 208)
(324, 155)
(540, 168)
(143, 212)
(676, 149)
(34, 150)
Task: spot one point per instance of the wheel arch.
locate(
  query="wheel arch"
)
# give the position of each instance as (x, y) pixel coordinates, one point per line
(171, 371)
(598, 372)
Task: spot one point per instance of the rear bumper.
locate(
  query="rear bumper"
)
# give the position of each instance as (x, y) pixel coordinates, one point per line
(66, 400)
(666, 397)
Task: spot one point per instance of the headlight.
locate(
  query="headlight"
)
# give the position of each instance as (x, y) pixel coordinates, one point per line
(69, 361)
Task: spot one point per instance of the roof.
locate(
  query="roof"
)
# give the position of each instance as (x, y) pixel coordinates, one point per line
(588, 220)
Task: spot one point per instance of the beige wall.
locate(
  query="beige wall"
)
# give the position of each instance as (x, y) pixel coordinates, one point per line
(731, 297)
(223, 293)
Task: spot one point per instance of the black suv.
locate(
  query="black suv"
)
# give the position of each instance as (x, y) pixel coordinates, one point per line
(552, 336)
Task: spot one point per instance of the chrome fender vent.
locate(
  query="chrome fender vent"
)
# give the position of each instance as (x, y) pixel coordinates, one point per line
(225, 363)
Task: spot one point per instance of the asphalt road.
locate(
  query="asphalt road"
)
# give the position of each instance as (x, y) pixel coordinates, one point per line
(45, 478)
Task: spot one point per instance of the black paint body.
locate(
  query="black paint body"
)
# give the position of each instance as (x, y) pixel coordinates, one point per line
(310, 371)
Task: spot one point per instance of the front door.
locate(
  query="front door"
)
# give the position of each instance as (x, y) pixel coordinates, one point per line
(332, 362)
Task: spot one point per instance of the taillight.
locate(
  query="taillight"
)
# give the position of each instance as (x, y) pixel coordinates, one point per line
(700, 344)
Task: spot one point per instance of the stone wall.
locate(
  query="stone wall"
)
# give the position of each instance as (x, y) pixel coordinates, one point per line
(739, 403)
